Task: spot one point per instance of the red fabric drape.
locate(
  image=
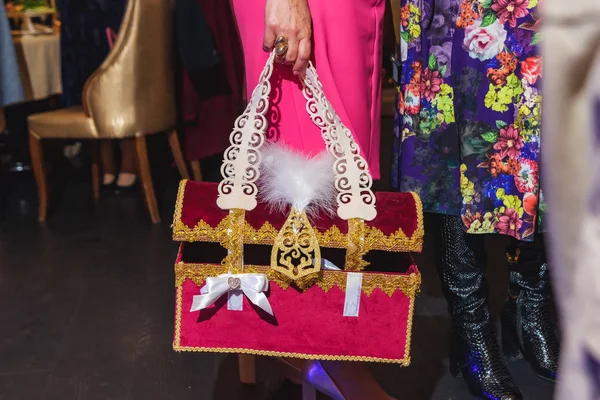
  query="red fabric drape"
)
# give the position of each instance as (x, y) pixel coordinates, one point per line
(208, 122)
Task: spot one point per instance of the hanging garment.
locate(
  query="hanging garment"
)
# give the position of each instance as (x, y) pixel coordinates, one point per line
(468, 116)
(347, 50)
(212, 92)
(199, 57)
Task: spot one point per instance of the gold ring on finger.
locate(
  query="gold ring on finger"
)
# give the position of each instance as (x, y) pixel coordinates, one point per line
(281, 50)
(281, 46)
(279, 40)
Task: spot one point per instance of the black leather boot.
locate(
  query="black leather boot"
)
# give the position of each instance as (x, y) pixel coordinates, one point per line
(474, 351)
(527, 325)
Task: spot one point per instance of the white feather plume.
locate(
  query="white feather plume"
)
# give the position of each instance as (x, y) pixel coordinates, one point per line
(290, 178)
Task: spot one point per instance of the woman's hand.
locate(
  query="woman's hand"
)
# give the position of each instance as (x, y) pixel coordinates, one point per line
(290, 19)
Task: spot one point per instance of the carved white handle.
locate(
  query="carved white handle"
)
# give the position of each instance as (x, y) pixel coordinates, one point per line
(241, 164)
(352, 177)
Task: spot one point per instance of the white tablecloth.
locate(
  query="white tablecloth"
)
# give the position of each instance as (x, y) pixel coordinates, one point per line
(39, 65)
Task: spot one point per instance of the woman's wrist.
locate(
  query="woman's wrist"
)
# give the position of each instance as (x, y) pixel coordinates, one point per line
(289, 20)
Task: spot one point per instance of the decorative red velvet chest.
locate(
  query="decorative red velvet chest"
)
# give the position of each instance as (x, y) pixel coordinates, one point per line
(306, 322)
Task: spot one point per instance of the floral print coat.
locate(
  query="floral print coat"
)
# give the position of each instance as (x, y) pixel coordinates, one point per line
(468, 112)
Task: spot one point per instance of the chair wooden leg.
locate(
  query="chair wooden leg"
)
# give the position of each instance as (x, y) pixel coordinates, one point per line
(37, 162)
(95, 172)
(247, 369)
(177, 154)
(146, 178)
(196, 170)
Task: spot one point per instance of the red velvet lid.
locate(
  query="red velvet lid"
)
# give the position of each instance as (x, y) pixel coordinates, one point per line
(397, 227)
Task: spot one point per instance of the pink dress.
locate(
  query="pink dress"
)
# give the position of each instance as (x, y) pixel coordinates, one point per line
(347, 49)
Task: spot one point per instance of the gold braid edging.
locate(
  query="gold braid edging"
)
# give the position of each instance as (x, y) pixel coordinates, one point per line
(179, 205)
(177, 346)
(409, 324)
(403, 362)
(387, 283)
(419, 233)
(178, 310)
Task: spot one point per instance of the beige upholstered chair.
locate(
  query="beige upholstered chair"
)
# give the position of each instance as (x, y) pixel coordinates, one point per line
(131, 95)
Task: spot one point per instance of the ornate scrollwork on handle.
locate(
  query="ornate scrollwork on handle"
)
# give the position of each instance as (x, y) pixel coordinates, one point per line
(241, 161)
(353, 180)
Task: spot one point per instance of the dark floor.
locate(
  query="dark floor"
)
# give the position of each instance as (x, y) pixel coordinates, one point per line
(86, 311)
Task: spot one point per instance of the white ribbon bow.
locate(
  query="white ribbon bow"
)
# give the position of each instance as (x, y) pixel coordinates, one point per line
(252, 285)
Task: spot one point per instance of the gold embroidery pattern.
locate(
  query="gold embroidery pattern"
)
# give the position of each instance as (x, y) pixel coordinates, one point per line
(405, 362)
(234, 241)
(387, 283)
(374, 239)
(296, 247)
(356, 245)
